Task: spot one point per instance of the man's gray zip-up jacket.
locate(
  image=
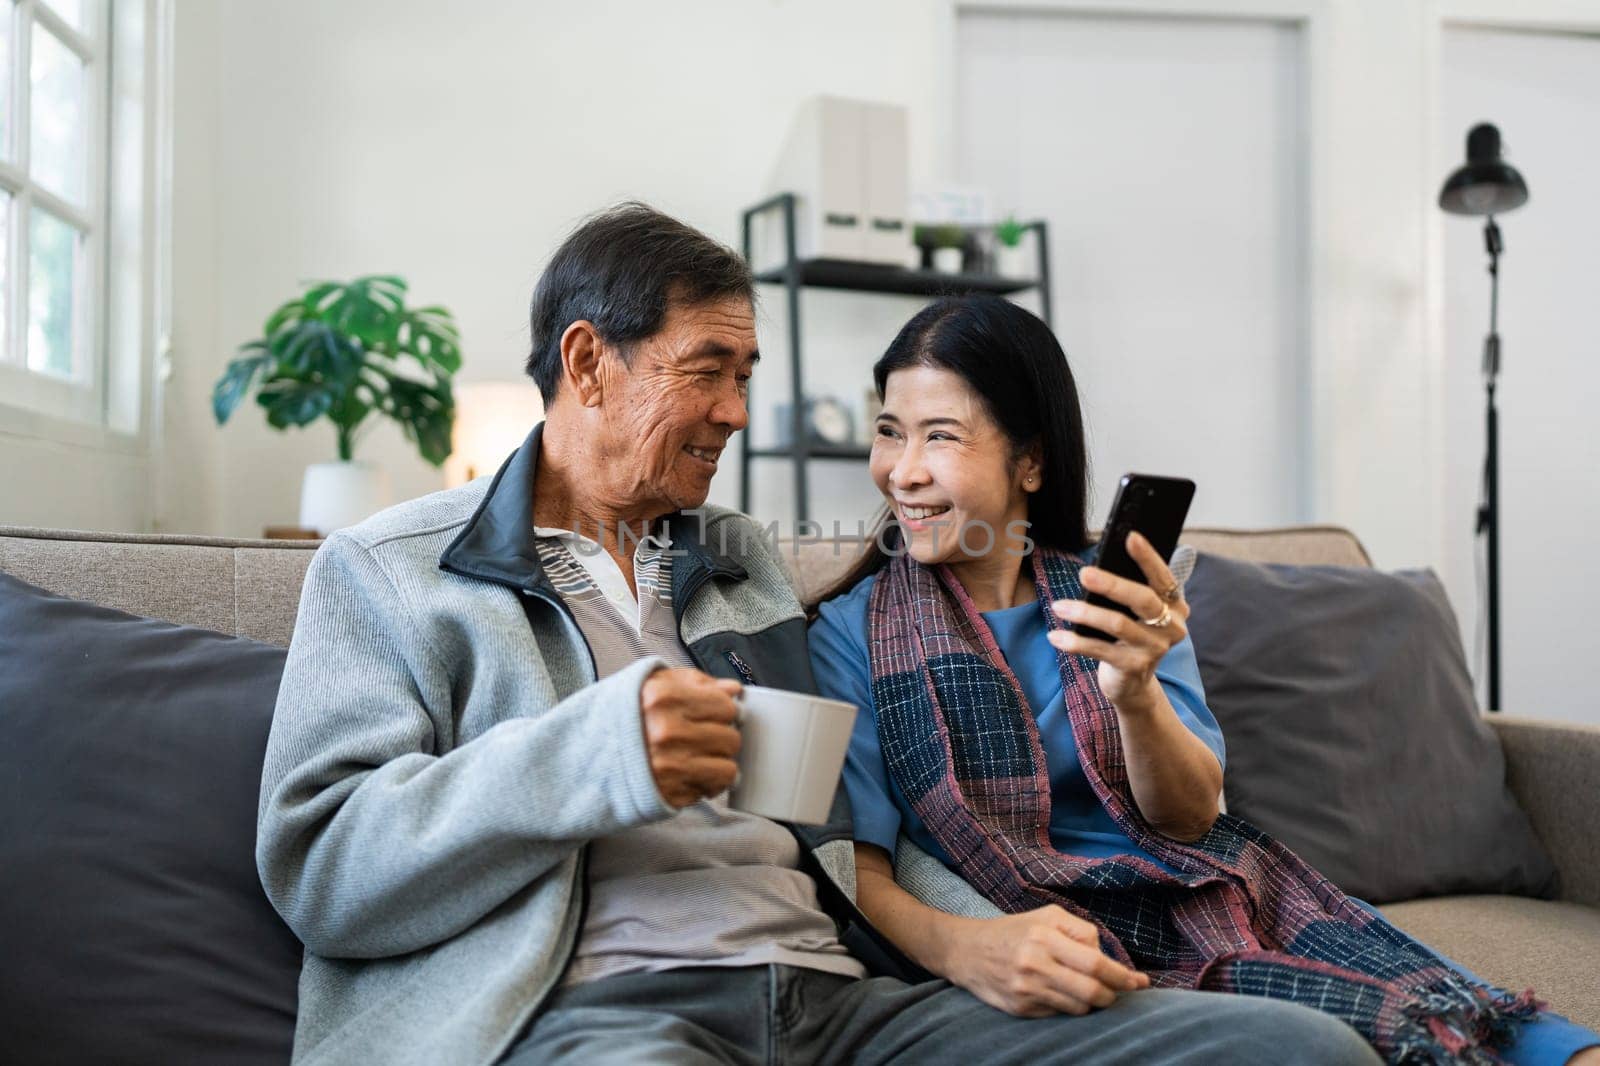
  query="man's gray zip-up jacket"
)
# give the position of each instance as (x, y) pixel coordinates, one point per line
(441, 753)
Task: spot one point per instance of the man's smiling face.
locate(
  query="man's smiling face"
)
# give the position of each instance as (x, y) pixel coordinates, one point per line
(670, 413)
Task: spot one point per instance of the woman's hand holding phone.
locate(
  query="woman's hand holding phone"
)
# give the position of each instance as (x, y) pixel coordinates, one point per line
(1128, 663)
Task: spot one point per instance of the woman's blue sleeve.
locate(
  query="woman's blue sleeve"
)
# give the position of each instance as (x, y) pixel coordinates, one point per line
(1179, 674)
(838, 641)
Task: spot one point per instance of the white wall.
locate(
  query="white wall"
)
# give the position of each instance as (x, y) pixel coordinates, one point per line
(456, 146)
(457, 150)
(185, 491)
(1541, 90)
(1178, 228)
(75, 484)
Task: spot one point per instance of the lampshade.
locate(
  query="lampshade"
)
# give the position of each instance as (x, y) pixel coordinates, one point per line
(1487, 184)
(492, 419)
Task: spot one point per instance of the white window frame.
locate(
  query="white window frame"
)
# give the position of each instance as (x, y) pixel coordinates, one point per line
(83, 397)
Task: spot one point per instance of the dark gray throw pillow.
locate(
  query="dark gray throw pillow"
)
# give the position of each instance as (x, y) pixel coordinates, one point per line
(133, 928)
(1353, 734)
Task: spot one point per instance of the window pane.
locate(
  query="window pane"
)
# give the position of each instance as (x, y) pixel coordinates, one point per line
(5, 277)
(6, 13)
(69, 10)
(57, 145)
(53, 249)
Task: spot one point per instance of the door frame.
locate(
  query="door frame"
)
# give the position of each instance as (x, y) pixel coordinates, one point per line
(1310, 17)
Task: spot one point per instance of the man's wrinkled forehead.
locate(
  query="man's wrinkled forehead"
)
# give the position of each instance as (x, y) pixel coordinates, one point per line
(722, 329)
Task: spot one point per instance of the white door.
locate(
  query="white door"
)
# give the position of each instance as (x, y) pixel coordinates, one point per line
(1168, 157)
(1540, 89)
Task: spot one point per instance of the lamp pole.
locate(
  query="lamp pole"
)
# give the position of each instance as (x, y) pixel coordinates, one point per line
(1487, 186)
(1489, 512)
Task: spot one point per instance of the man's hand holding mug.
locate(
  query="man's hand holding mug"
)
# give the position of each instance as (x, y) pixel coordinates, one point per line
(690, 733)
(779, 752)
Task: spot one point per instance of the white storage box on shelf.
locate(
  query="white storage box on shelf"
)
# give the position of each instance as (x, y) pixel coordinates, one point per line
(847, 162)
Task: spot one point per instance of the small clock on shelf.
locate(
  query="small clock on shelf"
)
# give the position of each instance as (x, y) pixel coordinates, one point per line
(828, 421)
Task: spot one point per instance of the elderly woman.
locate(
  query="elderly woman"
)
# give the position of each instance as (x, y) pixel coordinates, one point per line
(1073, 782)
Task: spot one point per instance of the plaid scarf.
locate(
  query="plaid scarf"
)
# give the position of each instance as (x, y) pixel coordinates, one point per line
(1244, 914)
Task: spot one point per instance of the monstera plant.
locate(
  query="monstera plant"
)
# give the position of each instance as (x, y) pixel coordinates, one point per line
(345, 352)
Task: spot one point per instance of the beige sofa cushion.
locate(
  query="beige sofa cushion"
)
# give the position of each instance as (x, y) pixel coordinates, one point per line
(817, 564)
(1516, 943)
(250, 588)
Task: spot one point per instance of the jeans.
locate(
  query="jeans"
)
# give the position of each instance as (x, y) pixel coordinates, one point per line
(781, 1014)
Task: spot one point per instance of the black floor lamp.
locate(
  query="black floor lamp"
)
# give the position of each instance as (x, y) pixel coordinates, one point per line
(1487, 185)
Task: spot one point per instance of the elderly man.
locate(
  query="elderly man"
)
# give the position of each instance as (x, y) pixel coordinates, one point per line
(494, 805)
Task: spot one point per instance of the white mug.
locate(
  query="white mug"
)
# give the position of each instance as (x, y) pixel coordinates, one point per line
(791, 755)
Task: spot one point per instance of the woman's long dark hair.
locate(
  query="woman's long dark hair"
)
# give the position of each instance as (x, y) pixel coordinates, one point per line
(1015, 365)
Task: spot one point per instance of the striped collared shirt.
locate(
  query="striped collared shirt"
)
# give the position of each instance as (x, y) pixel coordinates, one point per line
(710, 886)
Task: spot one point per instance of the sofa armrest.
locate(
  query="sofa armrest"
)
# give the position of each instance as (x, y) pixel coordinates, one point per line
(1553, 769)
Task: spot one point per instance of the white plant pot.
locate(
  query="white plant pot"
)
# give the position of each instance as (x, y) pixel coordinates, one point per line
(948, 260)
(1013, 262)
(335, 495)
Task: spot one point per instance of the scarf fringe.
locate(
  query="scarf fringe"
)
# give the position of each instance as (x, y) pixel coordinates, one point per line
(1452, 1021)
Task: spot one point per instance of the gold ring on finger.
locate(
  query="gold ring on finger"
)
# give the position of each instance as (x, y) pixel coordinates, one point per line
(1171, 595)
(1161, 620)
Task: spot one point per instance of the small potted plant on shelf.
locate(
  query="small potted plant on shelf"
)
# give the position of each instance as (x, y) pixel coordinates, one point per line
(344, 352)
(949, 249)
(1010, 261)
(946, 245)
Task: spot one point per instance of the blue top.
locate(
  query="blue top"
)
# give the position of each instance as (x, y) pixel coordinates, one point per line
(1078, 824)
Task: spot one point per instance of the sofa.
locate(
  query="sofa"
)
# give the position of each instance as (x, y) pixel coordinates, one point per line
(250, 588)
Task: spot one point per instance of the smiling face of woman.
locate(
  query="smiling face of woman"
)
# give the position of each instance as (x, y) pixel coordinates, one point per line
(947, 470)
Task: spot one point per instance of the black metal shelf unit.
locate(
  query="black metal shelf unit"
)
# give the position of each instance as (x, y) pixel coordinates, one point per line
(796, 274)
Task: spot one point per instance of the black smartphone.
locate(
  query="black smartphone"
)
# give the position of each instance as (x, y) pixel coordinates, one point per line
(1156, 507)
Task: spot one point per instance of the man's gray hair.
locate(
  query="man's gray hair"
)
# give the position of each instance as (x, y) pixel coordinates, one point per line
(621, 269)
